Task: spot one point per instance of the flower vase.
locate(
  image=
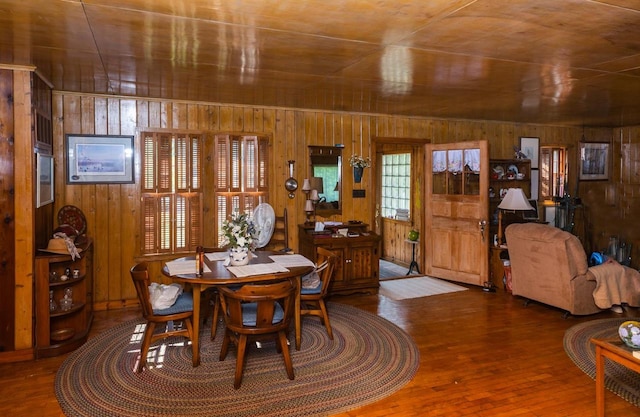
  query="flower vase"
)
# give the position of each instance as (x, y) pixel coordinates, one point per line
(239, 256)
(357, 174)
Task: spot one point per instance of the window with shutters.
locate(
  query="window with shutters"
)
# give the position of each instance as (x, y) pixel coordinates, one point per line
(171, 192)
(241, 175)
(553, 172)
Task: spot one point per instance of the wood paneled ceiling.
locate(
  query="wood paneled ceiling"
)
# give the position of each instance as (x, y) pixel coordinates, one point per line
(562, 62)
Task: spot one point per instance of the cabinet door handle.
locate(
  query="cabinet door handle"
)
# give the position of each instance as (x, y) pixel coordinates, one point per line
(347, 261)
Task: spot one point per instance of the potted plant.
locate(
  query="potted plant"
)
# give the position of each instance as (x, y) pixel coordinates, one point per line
(240, 236)
(359, 163)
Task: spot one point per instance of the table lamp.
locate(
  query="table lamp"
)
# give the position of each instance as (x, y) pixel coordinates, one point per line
(514, 200)
(309, 209)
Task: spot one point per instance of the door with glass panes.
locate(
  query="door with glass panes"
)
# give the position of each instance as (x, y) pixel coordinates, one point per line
(456, 212)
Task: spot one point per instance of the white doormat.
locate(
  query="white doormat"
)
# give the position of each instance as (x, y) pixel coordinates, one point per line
(402, 289)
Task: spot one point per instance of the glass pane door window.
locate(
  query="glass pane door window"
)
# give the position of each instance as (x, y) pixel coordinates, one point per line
(396, 186)
(456, 171)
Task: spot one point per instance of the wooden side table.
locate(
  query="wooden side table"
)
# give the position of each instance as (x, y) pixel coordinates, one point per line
(615, 350)
(413, 263)
(496, 266)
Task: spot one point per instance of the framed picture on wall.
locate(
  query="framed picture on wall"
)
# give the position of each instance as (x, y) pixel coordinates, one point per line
(531, 148)
(44, 182)
(594, 161)
(95, 159)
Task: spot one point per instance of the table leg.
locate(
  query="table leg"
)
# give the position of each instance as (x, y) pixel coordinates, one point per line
(297, 309)
(197, 289)
(599, 382)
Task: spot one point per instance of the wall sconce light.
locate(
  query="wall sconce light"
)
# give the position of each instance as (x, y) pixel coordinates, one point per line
(311, 187)
(313, 196)
(306, 186)
(291, 184)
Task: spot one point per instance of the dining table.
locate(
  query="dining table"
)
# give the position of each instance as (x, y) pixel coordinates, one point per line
(261, 268)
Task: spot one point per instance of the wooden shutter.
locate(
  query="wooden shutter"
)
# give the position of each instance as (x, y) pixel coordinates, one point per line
(171, 192)
(223, 169)
(149, 224)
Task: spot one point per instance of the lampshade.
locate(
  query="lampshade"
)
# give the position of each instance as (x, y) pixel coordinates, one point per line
(306, 185)
(308, 206)
(515, 200)
(314, 195)
(316, 183)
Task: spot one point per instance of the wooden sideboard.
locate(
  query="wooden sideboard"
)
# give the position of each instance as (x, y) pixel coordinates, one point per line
(358, 264)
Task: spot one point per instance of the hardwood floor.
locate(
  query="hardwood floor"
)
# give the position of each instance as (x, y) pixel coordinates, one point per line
(482, 354)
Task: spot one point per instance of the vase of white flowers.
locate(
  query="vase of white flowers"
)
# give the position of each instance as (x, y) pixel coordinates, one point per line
(359, 163)
(240, 236)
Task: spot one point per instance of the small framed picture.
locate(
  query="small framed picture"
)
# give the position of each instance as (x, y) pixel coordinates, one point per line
(44, 184)
(530, 147)
(594, 161)
(95, 159)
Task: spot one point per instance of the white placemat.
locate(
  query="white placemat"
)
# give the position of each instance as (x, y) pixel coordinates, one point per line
(290, 261)
(256, 269)
(184, 267)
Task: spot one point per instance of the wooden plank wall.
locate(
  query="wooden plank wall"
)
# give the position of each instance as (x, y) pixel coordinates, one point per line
(112, 211)
(8, 209)
(613, 207)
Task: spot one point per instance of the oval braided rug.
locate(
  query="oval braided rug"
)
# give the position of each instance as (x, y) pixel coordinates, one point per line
(369, 359)
(618, 379)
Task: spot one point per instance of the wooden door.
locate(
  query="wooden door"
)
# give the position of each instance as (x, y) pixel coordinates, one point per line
(456, 212)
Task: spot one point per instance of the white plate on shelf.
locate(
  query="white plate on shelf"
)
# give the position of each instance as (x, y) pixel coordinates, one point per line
(513, 168)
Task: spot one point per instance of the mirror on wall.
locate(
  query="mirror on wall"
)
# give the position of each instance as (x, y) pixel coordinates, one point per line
(326, 178)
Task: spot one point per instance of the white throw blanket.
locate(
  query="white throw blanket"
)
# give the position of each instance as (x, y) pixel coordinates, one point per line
(164, 296)
(615, 284)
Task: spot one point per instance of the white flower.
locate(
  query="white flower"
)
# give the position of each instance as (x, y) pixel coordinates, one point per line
(359, 161)
(239, 231)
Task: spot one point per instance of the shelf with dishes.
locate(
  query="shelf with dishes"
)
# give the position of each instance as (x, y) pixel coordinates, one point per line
(64, 293)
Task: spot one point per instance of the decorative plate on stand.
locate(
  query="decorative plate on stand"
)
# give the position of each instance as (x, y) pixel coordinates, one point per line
(74, 217)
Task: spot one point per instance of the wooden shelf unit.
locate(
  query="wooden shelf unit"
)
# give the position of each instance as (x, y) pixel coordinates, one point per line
(358, 264)
(523, 166)
(504, 183)
(78, 318)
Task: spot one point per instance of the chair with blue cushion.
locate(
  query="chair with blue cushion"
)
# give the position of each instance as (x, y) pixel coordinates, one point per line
(259, 312)
(180, 311)
(312, 299)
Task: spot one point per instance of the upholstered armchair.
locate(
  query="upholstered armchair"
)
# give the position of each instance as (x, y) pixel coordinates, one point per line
(549, 265)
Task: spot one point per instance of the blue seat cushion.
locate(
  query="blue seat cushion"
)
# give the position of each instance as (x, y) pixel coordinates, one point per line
(249, 314)
(182, 304)
(315, 290)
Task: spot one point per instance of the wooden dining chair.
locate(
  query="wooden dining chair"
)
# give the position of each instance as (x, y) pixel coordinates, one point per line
(312, 300)
(181, 310)
(258, 312)
(280, 238)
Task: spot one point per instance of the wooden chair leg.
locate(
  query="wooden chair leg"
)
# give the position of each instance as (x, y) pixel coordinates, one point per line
(325, 318)
(242, 346)
(225, 345)
(285, 354)
(194, 355)
(146, 342)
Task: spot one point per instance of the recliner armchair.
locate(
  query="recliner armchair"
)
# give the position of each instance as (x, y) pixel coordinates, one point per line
(549, 265)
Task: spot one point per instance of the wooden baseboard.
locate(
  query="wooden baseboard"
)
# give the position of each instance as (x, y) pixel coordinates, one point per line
(17, 356)
(115, 305)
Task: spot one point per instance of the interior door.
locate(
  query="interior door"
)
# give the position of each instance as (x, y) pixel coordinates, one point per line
(456, 212)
